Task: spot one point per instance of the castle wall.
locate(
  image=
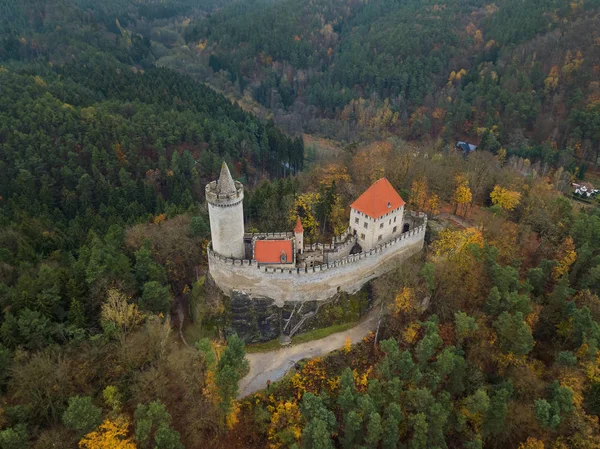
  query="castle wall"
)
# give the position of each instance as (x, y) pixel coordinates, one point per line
(341, 251)
(320, 282)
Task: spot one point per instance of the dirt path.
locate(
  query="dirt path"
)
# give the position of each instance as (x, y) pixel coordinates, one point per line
(273, 365)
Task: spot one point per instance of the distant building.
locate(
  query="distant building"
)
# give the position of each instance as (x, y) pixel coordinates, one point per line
(465, 147)
(585, 190)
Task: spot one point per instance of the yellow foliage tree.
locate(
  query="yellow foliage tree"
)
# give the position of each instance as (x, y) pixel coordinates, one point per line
(478, 38)
(566, 258)
(338, 216)
(551, 82)
(347, 345)
(532, 443)
(506, 199)
(112, 434)
(232, 417)
(118, 310)
(462, 193)
(572, 63)
(404, 302)
(418, 193)
(433, 204)
(304, 207)
(501, 156)
(454, 244)
(411, 333)
(312, 378)
(285, 422)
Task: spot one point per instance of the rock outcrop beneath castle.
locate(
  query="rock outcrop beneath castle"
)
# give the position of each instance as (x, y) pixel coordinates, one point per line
(255, 319)
(259, 319)
(318, 282)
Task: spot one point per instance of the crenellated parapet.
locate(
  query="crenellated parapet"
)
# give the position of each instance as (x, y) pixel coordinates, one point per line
(318, 282)
(224, 199)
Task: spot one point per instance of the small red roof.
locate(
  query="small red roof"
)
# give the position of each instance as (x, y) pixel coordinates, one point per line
(270, 251)
(298, 229)
(378, 200)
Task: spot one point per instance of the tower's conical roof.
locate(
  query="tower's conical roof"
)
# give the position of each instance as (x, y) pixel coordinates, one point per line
(225, 184)
(298, 229)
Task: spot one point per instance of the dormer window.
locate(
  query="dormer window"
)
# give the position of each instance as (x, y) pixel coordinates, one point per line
(283, 257)
(389, 205)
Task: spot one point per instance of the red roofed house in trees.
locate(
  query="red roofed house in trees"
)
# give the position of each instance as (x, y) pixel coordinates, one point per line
(376, 216)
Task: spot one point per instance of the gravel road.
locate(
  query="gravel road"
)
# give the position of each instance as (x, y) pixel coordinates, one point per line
(273, 365)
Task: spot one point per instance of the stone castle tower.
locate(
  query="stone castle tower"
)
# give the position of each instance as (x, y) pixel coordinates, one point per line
(225, 208)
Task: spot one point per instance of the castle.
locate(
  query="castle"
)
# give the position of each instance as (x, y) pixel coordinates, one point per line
(281, 267)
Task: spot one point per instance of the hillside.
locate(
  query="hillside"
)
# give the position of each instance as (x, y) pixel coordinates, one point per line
(113, 117)
(519, 75)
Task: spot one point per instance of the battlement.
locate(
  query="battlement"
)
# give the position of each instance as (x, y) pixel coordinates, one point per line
(269, 235)
(223, 199)
(318, 282)
(405, 237)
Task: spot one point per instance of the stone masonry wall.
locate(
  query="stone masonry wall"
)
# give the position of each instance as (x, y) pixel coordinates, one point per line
(321, 282)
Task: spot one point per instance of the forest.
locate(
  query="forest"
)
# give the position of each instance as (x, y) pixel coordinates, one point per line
(115, 114)
(463, 70)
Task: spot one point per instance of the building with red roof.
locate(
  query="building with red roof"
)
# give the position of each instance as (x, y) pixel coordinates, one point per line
(376, 216)
(274, 251)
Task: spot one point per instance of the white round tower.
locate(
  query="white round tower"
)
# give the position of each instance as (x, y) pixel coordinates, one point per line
(225, 208)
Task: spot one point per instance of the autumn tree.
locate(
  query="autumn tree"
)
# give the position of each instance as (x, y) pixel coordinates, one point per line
(532, 443)
(506, 199)
(112, 434)
(462, 194)
(433, 204)
(418, 194)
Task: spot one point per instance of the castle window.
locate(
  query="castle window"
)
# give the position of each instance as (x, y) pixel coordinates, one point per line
(395, 229)
(394, 219)
(380, 237)
(366, 225)
(390, 221)
(356, 220)
(381, 226)
(362, 236)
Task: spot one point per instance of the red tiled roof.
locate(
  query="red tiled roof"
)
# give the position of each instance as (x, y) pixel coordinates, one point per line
(269, 251)
(374, 201)
(298, 229)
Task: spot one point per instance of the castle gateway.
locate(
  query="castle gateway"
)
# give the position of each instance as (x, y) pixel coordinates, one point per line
(280, 266)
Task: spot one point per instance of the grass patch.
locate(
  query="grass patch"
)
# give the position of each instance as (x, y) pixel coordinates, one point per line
(317, 334)
(263, 347)
(193, 332)
(304, 337)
